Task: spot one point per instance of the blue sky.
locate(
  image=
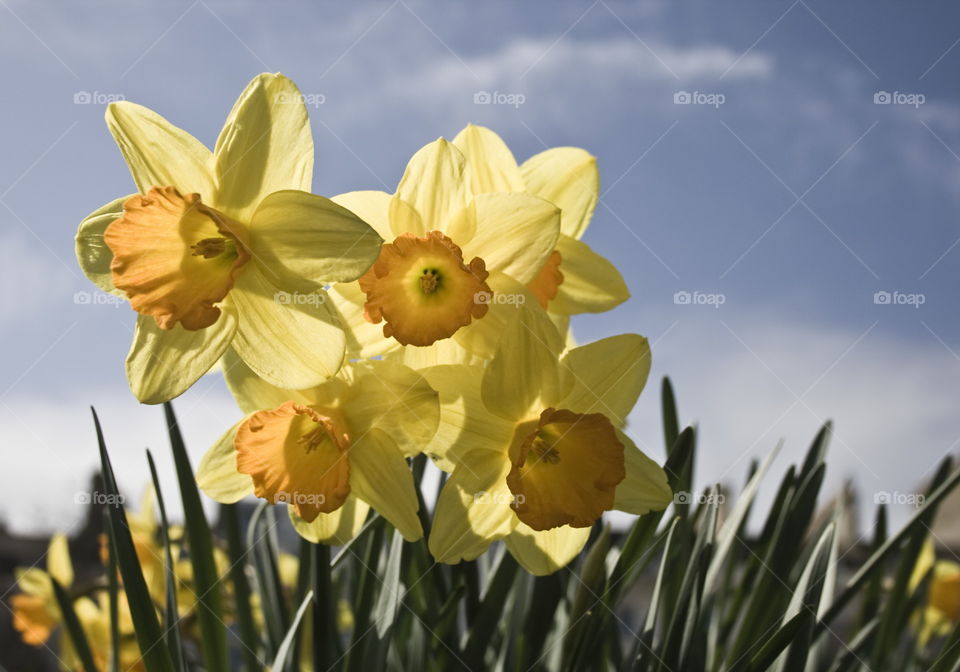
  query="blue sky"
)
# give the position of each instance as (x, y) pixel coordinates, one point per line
(795, 197)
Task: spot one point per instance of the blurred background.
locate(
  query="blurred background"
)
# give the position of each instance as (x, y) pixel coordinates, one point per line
(780, 190)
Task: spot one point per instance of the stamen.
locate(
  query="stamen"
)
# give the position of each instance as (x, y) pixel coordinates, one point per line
(546, 452)
(314, 438)
(429, 281)
(208, 248)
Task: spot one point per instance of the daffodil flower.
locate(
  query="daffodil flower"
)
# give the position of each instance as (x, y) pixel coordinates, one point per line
(574, 279)
(457, 262)
(536, 447)
(225, 248)
(330, 452)
(35, 609)
(939, 616)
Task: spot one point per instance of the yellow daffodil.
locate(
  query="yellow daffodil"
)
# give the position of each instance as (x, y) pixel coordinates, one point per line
(330, 452)
(574, 279)
(941, 612)
(35, 609)
(225, 248)
(457, 262)
(536, 447)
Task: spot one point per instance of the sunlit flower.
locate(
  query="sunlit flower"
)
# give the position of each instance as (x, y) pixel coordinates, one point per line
(35, 609)
(218, 248)
(456, 264)
(330, 452)
(574, 279)
(536, 447)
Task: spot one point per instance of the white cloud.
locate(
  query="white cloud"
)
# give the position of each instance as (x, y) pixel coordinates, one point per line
(893, 401)
(50, 448)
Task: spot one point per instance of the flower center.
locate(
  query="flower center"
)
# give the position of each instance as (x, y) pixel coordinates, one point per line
(565, 469)
(547, 282)
(208, 248)
(298, 456)
(429, 281)
(174, 257)
(421, 288)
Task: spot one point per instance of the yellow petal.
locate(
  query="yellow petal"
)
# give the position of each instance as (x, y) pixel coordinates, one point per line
(445, 351)
(158, 153)
(465, 422)
(435, 184)
(510, 298)
(32, 619)
(301, 241)
(93, 255)
(382, 478)
(395, 399)
(606, 376)
(645, 488)
(567, 177)
(542, 553)
(290, 345)
(489, 160)
(265, 146)
(591, 284)
(473, 509)
(515, 233)
(336, 528)
(373, 207)
(59, 564)
(525, 371)
(363, 338)
(163, 363)
(217, 473)
(251, 392)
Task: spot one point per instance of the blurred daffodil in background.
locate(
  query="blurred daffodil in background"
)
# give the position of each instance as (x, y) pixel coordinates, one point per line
(214, 242)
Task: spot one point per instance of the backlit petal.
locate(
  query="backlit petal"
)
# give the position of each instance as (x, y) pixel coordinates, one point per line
(567, 177)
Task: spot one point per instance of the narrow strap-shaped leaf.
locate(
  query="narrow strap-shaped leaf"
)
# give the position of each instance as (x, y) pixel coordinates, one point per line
(156, 656)
(774, 645)
(388, 602)
(171, 621)
(266, 571)
(874, 561)
(113, 595)
(237, 552)
(72, 625)
(326, 642)
(491, 609)
(205, 578)
(668, 411)
(281, 662)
